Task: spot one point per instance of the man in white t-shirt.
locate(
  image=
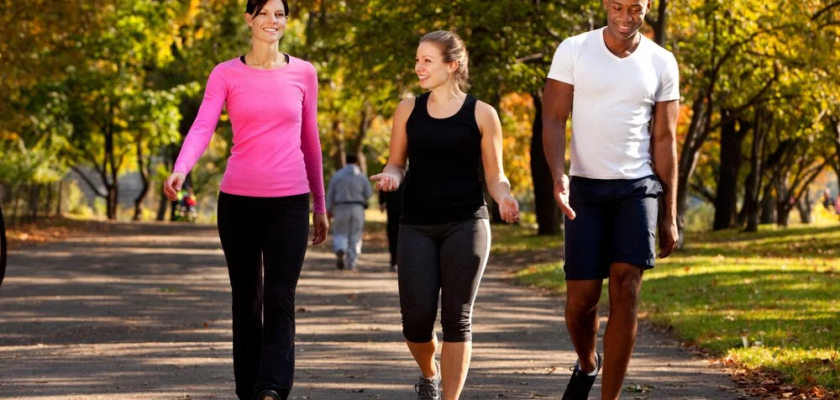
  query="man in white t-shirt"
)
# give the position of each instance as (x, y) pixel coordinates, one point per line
(619, 83)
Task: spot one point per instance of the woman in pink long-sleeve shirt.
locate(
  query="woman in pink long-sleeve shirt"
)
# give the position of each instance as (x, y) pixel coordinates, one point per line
(263, 212)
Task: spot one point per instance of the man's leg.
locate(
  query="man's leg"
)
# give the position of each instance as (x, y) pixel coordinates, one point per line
(634, 241)
(624, 285)
(582, 319)
(588, 254)
(341, 229)
(354, 238)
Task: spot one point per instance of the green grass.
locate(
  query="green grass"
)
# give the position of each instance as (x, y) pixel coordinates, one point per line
(515, 238)
(767, 300)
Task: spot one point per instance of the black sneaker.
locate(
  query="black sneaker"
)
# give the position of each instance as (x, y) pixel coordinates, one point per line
(268, 395)
(339, 259)
(581, 383)
(429, 389)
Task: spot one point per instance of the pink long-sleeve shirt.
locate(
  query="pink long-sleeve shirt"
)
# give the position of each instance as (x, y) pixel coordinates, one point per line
(276, 150)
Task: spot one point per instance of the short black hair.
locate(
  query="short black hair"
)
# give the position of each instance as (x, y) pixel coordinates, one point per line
(350, 159)
(254, 7)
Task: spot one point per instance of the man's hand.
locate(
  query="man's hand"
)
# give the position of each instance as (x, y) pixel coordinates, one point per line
(668, 235)
(319, 221)
(561, 195)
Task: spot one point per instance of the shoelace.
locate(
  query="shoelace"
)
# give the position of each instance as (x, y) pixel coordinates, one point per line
(426, 391)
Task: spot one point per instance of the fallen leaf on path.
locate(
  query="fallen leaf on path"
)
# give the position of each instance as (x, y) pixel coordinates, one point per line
(636, 388)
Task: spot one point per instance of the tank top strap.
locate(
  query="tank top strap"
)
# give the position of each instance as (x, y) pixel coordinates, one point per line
(421, 103)
(470, 104)
(467, 112)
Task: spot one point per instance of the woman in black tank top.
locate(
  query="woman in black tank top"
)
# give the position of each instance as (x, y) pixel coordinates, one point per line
(444, 137)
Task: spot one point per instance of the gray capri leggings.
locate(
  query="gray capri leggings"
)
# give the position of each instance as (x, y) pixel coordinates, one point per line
(448, 259)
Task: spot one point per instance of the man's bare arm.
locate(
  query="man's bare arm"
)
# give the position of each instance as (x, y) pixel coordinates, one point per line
(557, 106)
(664, 155)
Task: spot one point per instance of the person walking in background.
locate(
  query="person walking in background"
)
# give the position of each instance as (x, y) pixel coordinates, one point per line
(347, 199)
(391, 204)
(263, 211)
(615, 83)
(444, 136)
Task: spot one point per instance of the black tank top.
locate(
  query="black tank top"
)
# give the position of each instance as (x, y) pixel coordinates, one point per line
(442, 183)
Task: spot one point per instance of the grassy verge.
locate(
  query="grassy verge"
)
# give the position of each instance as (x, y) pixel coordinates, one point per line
(515, 238)
(769, 300)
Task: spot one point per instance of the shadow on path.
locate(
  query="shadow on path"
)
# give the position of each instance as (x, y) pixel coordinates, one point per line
(142, 312)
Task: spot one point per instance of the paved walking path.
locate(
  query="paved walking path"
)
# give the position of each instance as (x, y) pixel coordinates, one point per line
(142, 312)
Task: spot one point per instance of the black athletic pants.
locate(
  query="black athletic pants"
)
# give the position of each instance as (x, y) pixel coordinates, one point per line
(264, 240)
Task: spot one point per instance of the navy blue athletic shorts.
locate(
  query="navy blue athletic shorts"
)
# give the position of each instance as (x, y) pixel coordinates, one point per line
(615, 222)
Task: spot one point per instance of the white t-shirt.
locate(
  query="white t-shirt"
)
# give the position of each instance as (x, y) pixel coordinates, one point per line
(612, 105)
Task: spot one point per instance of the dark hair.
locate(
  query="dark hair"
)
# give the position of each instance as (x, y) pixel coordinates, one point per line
(454, 50)
(254, 7)
(350, 159)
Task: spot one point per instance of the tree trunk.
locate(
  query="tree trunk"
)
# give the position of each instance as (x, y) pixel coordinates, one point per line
(730, 167)
(783, 216)
(162, 205)
(110, 158)
(2, 246)
(660, 25)
(835, 125)
(164, 202)
(15, 215)
(34, 197)
(753, 184)
(804, 208)
(48, 208)
(359, 141)
(695, 137)
(548, 213)
(142, 167)
(340, 152)
(768, 209)
(112, 203)
(59, 211)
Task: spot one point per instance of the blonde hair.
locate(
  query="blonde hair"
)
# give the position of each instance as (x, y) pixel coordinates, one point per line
(454, 50)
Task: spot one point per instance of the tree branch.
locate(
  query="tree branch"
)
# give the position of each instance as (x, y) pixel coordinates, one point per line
(531, 58)
(89, 182)
(755, 99)
(703, 191)
(825, 10)
(813, 175)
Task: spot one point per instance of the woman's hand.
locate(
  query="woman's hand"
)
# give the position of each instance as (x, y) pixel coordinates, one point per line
(386, 181)
(172, 185)
(319, 221)
(509, 209)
